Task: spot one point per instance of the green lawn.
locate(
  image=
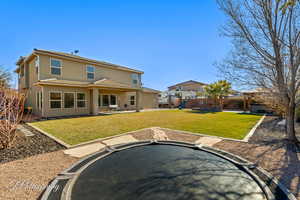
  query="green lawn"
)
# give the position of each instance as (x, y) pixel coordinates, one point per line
(77, 130)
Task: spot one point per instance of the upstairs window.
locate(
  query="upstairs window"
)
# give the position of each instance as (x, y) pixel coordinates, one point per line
(37, 63)
(21, 70)
(55, 67)
(135, 79)
(90, 72)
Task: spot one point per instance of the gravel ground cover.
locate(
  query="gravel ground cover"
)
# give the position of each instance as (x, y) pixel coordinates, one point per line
(29, 146)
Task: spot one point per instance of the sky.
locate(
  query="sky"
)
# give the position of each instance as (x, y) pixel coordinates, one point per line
(171, 41)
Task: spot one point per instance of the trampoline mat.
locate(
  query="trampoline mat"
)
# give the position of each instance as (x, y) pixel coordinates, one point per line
(164, 172)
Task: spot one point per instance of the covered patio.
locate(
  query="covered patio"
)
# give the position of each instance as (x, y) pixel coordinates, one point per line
(87, 97)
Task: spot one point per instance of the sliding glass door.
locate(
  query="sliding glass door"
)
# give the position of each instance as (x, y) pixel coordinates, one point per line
(106, 100)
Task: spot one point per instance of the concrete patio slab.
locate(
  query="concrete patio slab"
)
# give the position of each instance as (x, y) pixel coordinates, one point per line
(208, 141)
(120, 140)
(82, 151)
(159, 134)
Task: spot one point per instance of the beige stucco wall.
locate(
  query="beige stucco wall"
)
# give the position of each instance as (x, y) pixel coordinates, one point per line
(74, 70)
(48, 112)
(31, 91)
(149, 100)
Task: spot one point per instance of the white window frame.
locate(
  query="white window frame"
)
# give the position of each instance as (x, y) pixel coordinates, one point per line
(39, 100)
(109, 102)
(37, 64)
(116, 99)
(87, 72)
(61, 66)
(131, 100)
(61, 100)
(74, 101)
(85, 100)
(135, 76)
(22, 70)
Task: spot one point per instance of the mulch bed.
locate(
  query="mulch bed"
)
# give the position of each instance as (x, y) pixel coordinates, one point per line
(29, 146)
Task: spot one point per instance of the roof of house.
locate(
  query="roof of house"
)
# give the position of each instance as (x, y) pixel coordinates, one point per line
(256, 90)
(187, 82)
(149, 90)
(102, 83)
(77, 58)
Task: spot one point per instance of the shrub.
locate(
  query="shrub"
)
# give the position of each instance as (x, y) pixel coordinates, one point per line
(11, 113)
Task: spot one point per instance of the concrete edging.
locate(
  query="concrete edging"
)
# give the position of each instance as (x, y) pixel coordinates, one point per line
(203, 135)
(50, 136)
(106, 138)
(252, 131)
(68, 146)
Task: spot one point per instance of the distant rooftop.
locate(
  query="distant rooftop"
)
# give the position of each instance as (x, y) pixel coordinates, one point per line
(187, 82)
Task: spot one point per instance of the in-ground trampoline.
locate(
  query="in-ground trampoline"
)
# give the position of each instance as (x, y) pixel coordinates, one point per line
(161, 171)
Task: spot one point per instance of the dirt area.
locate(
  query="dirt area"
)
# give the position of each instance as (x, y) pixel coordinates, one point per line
(28, 146)
(27, 178)
(268, 148)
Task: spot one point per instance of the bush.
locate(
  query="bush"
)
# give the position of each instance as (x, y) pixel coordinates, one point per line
(11, 113)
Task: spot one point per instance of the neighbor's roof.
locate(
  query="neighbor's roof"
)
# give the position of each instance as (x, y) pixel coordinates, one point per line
(77, 58)
(187, 82)
(256, 90)
(149, 90)
(102, 83)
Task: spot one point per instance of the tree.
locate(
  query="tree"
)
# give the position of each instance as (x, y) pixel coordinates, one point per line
(266, 50)
(5, 77)
(218, 90)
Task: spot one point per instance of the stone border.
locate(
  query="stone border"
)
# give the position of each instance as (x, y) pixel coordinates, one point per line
(202, 134)
(68, 146)
(50, 136)
(252, 131)
(106, 138)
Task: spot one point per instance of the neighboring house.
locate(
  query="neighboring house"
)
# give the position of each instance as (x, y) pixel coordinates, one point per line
(186, 90)
(61, 84)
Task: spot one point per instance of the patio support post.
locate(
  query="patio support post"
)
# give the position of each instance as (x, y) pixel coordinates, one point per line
(137, 100)
(95, 109)
(244, 103)
(43, 99)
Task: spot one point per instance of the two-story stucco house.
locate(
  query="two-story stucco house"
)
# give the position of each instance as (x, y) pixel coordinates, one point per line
(187, 90)
(62, 84)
